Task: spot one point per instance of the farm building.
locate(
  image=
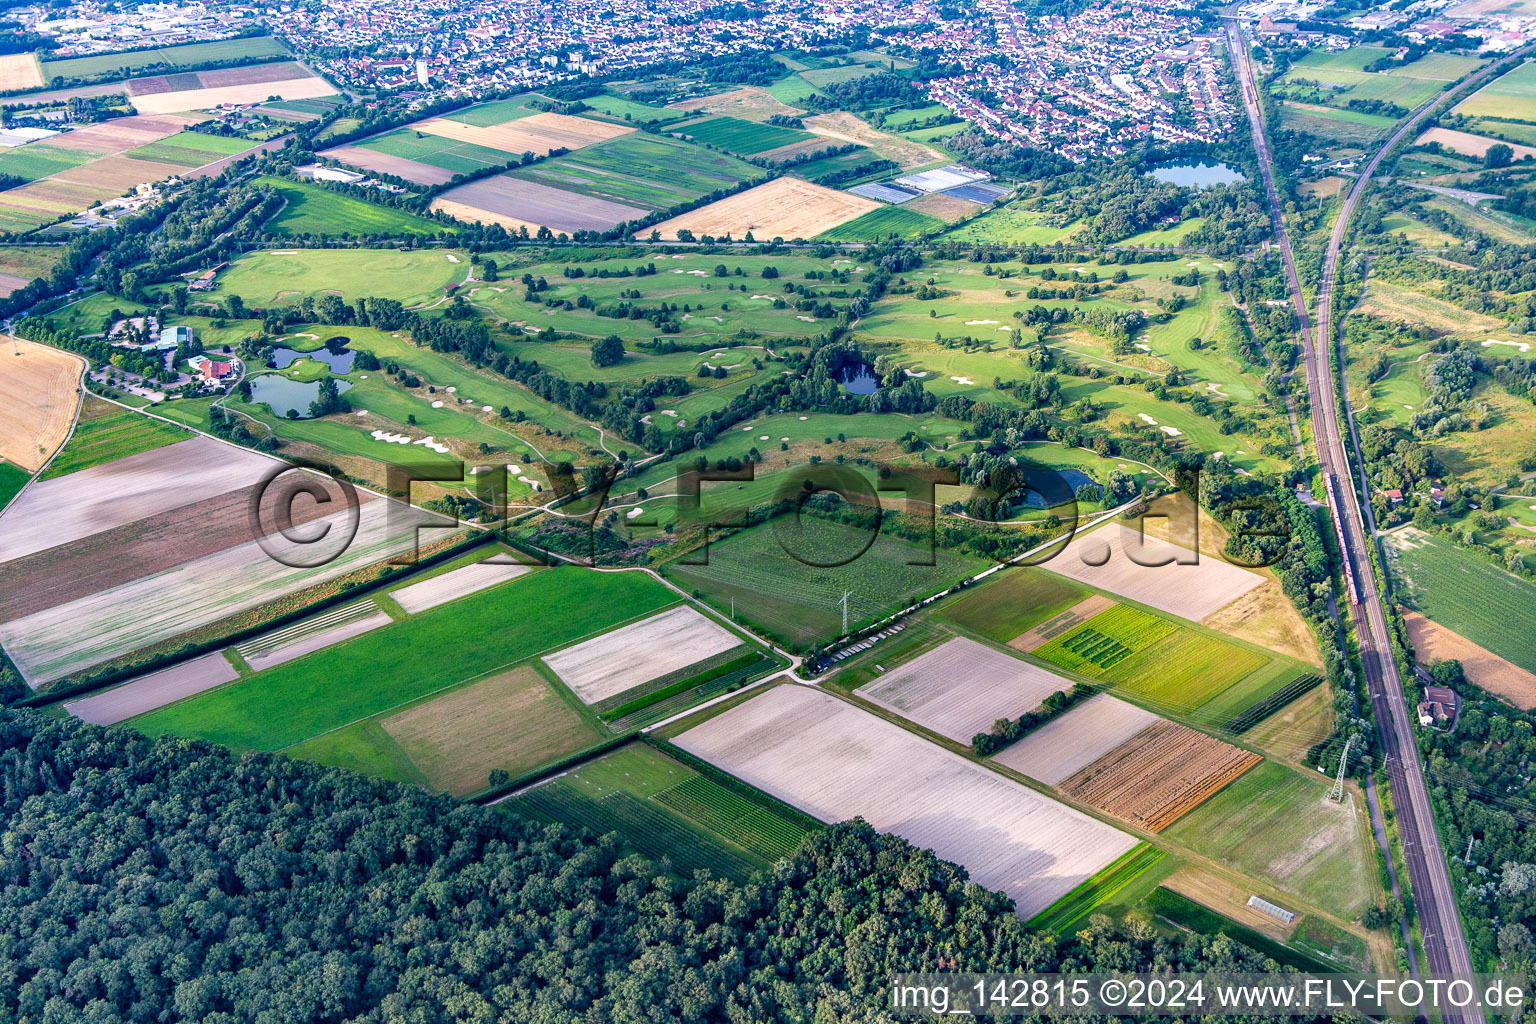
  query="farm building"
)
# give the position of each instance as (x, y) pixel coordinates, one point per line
(1439, 705)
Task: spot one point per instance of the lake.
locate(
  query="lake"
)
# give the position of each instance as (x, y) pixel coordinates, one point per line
(282, 394)
(1201, 175)
(334, 354)
(859, 379)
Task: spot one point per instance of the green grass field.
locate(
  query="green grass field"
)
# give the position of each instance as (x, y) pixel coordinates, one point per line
(1122, 883)
(40, 160)
(799, 602)
(623, 109)
(1015, 600)
(1185, 913)
(1347, 127)
(744, 138)
(12, 479)
(190, 149)
(106, 433)
(652, 171)
(400, 663)
(877, 225)
(29, 261)
(436, 151)
(487, 115)
(1464, 593)
(1277, 824)
(190, 55)
(666, 811)
(1510, 96)
(1013, 225)
(311, 210)
(280, 279)
(792, 90)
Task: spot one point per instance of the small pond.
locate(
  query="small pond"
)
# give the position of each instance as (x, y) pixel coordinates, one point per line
(859, 379)
(1201, 175)
(334, 354)
(282, 394)
(1073, 478)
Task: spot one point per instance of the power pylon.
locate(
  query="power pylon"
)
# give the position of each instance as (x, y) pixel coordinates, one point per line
(1338, 783)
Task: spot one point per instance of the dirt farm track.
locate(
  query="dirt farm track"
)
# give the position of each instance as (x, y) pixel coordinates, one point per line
(38, 398)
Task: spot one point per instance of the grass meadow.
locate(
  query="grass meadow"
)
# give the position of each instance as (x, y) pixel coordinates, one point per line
(311, 210)
(437, 151)
(265, 279)
(12, 479)
(189, 55)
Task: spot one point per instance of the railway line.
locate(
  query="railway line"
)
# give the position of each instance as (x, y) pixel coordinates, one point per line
(1445, 945)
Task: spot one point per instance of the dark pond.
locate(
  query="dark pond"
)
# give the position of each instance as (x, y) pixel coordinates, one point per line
(859, 379)
(1201, 175)
(334, 353)
(282, 394)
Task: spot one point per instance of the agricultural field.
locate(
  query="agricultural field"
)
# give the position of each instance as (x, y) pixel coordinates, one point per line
(282, 278)
(628, 110)
(1012, 602)
(1346, 127)
(1469, 144)
(382, 670)
(1334, 78)
(743, 138)
(309, 635)
(960, 688)
(21, 264)
(153, 690)
(1118, 886)
(1015, 225)
(190, 55)
(452, 156)
(39, 394)
(653, 172)
(39, 160)
(668, 812)
(1433, 642)
(1277, 824)
(1511, 96)
(1158, 775)
(834, 761)
(883, 223)
(190, 149)
(12, 480)
(311, 210)
(106, 433)
(19, 72)
(1072, 741)
(1187, 915)
(1464, 593)
(456, 583)
(799, 603)
(616, 663)
(782, 208)
(489, 115)
(208, 89)
(521, 204)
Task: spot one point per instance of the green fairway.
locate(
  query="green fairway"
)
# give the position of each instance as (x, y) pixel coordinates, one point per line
(427, 652)
(1277, 824)
(1465, 593)
(12, 479)
(880, 224)
(800, 603)
(1122, 884)
(106, 433)
(437, 151)
(40, 160)
(744, 138)
(311, 210)
(652, 171)
(1174, 234)
(189, 55)
(282, 278)
(666, 811)
(1011, 602)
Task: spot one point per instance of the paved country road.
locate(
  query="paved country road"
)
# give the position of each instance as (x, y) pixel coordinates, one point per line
(1445, 945)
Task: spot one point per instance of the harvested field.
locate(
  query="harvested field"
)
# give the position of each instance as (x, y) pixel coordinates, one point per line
(514, 721)
(450, 586)
(119, 172)
(10, 283)
(960, 688)
(1468, 144)
(298, 88)
(20, 71)
(70, 508)
(1433, 642)
(122, 134)
(1100, 560)
(537, 133)
(782, 208)
(1053, 627)
(383, 163)
(1069, 743)
(38, 398)
(68, 638)
(1159, 775)
(42, 202)
(834, 761)
(313, 634)
(540, 205)
(633, 655)
(154, 690)
(947, 208)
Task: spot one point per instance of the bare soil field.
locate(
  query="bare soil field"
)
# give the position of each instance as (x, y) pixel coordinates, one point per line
(846, 127)
(1056, 625)
(1468, 144)
(475, 215)
(122, 133)
(154, 690)
(111, 624)
(310, 641)
(1265, 616)
(10, 283)
(116, 555)
(1100, 559)
(535, 204)
(38, 398)
(782, 208)
(961, 687)
(70, 508)
(537, 133)
(835, 761)
(1159, 775)
(947, 208)
(1433, 642)
(514, 721)
(276, 71)
(1069, 743)
(371, 160)
(450, 586)
(119, 173)
(750, 103)
(298, 88)
(632, 655)
(1325, 187)
(20, 71)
